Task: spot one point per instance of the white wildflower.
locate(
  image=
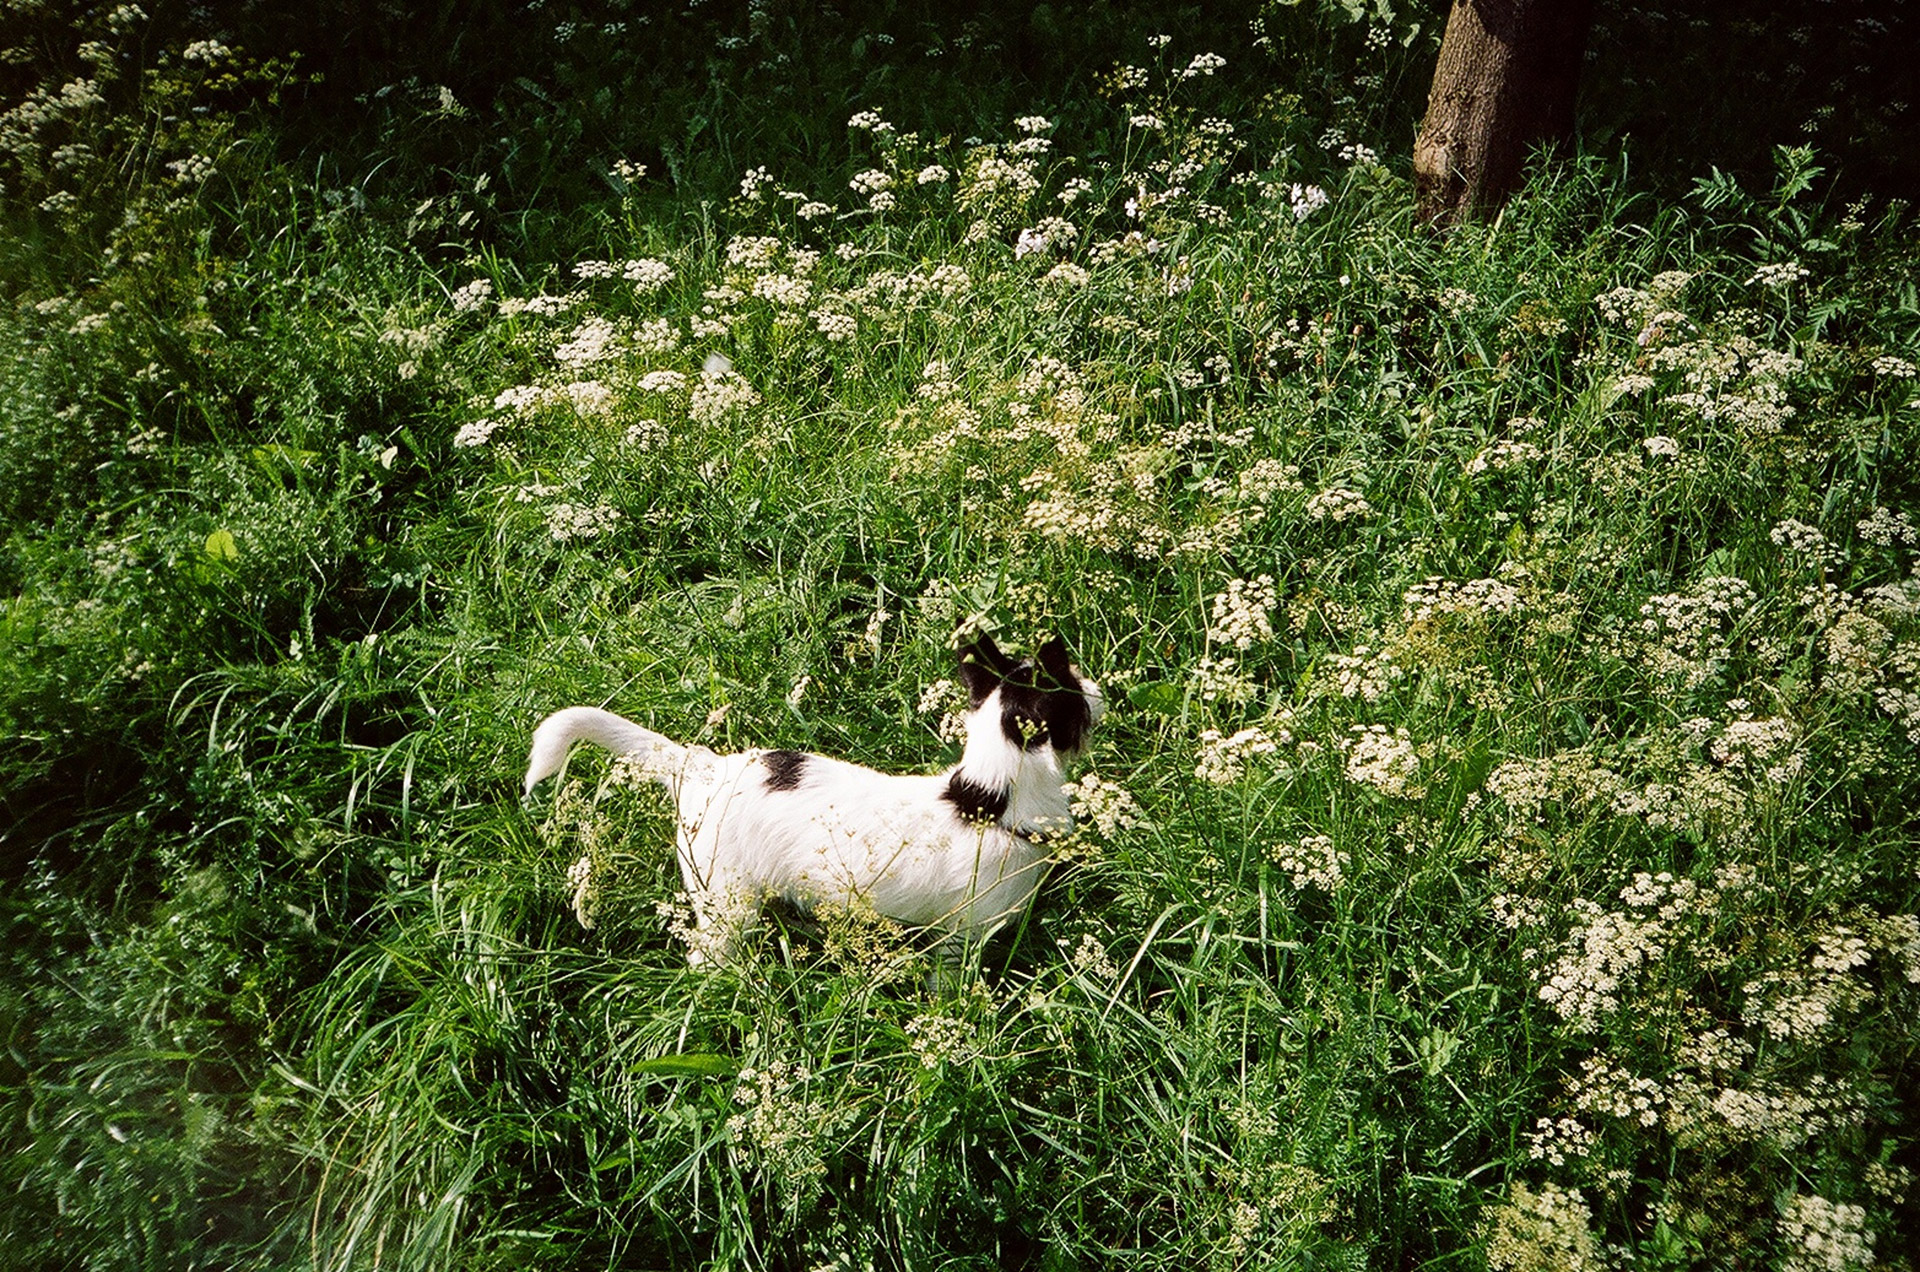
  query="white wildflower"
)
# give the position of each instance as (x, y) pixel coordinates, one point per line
(587, 397)
(754, 182)
(567, 521)
(475, 296)
(1312, 863)
(1366, 673)
(1385, 760)
(939, 1040)
(1090, 958)
(1338, 504)
(836, 325)
(1781, 274)
(1502, 455)
(1305, 200)
(1107, 806)
(720, 396)
(1534, 1231)
(192, 170)
(647, 434)
(590, 342)
(1884, 527)
(475, 432)
(646, 274)
(1241, 613)
(580, 881)
(1824, 1236)
(1554, 1140)
(1223, 760)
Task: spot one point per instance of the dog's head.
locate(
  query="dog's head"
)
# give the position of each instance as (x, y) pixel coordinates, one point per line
(1043, 701)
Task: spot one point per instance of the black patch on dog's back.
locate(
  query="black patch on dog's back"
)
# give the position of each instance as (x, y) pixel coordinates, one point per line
(784, 769)
(974, 802)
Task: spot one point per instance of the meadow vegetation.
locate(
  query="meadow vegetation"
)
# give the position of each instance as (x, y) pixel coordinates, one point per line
(1501, 846)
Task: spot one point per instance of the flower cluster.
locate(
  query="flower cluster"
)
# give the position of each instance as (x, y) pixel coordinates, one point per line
(1107, 806)
(780, 1125)
(1314, 862)
(1603, 951)
(590, 342)
(1384, 759)
(1338, 504)
(1503, 455)
(1241, 613)
(939, 1040)
(1537, 1230)
(1437, 598)
(720, 395)
(567, 521)
(581, 881)
(473, 297)
(1367, 673)
(1824, 1236)
(1305, 200)
(1555, 1139)
(1223, 759)
(1687, 632)
(1780, 274)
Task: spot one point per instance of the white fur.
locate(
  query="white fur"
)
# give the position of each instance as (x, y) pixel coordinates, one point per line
(845, 834)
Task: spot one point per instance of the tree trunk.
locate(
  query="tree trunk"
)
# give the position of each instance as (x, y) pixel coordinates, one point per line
(1505, 83)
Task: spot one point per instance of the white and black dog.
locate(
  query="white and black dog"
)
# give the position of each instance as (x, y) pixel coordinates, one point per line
(960, 851)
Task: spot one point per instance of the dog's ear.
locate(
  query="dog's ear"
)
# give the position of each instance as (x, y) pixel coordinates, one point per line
(982, 667)
(1054, 661)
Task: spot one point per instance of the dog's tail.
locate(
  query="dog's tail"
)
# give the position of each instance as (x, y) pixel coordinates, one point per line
(658, 755)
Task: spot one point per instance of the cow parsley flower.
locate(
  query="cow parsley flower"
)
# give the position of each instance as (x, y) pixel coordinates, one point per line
(475, 296)
(1824, 1236)
(567, 521)
(1223, 760)
(1385, 760)
(1106, 806)
(1241, 613)
(1314, 862)
(1338, 504)
(646, 274)
(475, 433)
(1780, 274)
(755, 182)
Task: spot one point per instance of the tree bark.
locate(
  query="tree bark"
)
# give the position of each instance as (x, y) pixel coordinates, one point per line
(1505, 83)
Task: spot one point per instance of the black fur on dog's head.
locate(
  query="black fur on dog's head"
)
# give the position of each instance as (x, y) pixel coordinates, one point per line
(1043, 701)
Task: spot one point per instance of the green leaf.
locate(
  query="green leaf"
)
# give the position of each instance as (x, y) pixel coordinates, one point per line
(690, 1064)
(221, 547)
(274, 457)
(1159, 697)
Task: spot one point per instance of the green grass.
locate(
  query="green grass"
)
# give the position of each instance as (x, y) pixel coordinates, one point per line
(1606, 689)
